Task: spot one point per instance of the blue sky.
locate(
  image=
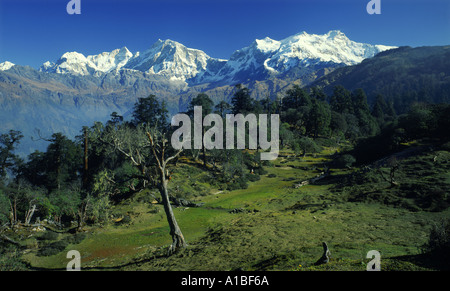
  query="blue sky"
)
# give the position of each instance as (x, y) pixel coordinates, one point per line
(35, 31)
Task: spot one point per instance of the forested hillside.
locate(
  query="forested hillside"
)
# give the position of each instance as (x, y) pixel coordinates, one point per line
(77, 186)
(403, 76)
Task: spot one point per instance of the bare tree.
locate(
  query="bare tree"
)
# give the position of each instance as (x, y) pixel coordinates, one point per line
(393, 164)
(149, 151)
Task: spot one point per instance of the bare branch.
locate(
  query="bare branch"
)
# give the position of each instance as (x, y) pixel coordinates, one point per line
(172, 157)
(154, 151)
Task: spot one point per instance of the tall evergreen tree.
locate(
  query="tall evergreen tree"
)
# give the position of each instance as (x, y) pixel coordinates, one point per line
(207, 104)
(366, 122)
(222, 108)
(8, 143)
(341, 100)
(202, 100)
(241, 101)
(319, 118)
(151, 112)
(295, 98)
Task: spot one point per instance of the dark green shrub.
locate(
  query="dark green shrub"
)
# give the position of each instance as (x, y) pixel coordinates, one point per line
(53, 248)
(253, 177)
(344, 161)
(76, 238)
(49, 235)
(438, 245)
(446, 146)
(10, 259)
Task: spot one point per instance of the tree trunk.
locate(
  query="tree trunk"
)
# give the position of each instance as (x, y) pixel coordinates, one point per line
(30, 214)
(82, 210)
(204, 150)
(175, 231)
(86, 159)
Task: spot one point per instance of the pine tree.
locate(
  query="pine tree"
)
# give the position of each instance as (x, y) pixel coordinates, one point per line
(241, 101)
(150, 112)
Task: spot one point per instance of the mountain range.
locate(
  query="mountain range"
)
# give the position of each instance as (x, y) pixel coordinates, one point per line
(76, 90)
(262, 59)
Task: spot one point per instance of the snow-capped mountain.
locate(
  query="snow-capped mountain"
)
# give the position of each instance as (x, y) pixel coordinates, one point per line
(6, 66)
(303, 50)
(263, 58)
(78, 64)
(173, 60)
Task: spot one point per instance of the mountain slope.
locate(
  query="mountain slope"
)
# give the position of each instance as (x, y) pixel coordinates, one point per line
(403, 76)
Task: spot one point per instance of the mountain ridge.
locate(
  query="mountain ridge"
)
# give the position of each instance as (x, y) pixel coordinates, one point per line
(78, 90)
(264, 57)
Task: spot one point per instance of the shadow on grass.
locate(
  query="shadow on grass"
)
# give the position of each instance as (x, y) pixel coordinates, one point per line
(98, 268)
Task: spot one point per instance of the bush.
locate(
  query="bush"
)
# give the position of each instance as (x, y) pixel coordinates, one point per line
(446, 146)
(438, 245)
(49, 235)
(253, 177)
(10, 259)
(53, 248)
(344, 161)
(76, 238)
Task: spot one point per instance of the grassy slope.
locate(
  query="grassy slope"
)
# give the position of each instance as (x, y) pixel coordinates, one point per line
(282, 229)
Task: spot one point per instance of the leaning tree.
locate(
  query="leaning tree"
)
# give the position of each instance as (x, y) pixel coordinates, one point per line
(149, 151)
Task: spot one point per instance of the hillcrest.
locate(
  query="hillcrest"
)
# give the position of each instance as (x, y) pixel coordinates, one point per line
(213, 138)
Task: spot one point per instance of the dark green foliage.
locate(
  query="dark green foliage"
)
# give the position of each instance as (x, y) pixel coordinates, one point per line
(295, 98)
(151, 112)
(76, 238)
(4, 207)
(56, 247)
(421, 177)
(344, 161)
(8, 143)
(60, 165)
(10, 259)
(423, 121)
(341, 100)
(222, 108)
(438, 245)
(403, 76)
(305, 145)
(205, 102)
(242, 102)
(49, 235)
(53, 248)
(319, 118)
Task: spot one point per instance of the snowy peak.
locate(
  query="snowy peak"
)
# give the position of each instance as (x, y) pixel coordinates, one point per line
(77, 64)
(170, 59)
(6, 66)
(267, 45)
(265, 57)
(333, 47)
(108, 61)
(262, 58)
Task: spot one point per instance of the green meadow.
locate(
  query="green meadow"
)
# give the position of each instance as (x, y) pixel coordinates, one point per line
(270, 225)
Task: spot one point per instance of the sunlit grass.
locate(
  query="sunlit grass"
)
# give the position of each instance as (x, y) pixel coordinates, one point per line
(281, 228)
